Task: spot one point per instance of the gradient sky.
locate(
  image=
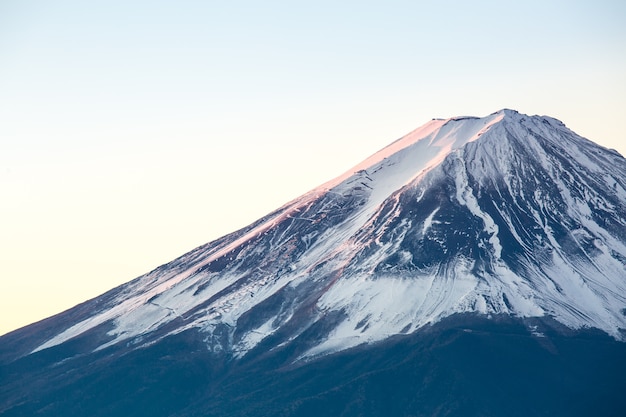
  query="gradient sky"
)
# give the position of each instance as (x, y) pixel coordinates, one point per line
(133, 131)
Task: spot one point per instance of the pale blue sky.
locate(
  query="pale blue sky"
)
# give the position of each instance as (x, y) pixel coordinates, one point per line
(133, 131)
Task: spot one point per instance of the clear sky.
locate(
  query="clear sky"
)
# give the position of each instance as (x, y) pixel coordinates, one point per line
(134, 131)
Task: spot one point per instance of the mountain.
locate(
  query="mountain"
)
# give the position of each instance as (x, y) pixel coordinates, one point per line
(476, 266)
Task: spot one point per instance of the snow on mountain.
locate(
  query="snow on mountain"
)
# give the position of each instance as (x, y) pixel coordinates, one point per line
(506, 214)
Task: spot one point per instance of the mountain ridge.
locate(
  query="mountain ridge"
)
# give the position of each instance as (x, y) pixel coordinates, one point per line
(329, 242)
(476, 266)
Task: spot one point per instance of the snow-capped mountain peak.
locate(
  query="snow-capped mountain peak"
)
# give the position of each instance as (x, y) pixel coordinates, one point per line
(506, 214)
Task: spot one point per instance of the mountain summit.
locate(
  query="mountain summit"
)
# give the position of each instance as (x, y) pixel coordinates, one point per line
(507, 218)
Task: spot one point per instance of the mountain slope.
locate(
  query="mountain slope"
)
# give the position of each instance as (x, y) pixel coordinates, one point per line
(509, 219)
(530, 220)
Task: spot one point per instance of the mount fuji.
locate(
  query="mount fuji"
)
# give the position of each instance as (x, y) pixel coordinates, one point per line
(476, 266)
